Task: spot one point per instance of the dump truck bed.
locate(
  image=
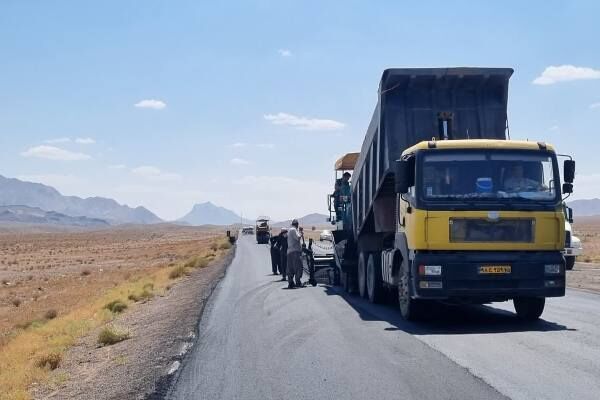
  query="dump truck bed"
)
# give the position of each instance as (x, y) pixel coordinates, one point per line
(412, 107)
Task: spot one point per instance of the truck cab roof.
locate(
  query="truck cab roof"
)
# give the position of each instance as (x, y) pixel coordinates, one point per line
(347, 162)
(479, 144)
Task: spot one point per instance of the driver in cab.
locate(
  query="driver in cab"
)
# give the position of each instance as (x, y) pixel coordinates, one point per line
(517, 182)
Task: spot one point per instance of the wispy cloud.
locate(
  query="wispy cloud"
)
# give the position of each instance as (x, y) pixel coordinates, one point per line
(266, 145)
(154, 174)
(285, 52)
(54, 153)
(564, 73)
(117, 166)
(305, 123)
(239, 161)
(86, 140)
(58, 140)
(554, 128)
(238, 144)
(151, 103)
(595, 105)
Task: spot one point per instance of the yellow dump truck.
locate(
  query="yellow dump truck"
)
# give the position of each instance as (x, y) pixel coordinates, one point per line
(443, 205)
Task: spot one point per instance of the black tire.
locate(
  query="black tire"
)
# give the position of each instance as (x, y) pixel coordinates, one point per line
(345, 281)
(362, 274)
(375, 290)
(410, 309)
(529, 308)
(336, 276)
(570, 263)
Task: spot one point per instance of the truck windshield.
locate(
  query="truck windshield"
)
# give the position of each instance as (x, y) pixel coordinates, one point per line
(489, 175)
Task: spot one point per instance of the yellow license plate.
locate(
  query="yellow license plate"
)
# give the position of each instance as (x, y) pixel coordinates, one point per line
(495, 269)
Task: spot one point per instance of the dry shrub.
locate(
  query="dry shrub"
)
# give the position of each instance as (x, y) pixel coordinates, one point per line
(49, 361)
(143, 295)
(178, 272)
(214, 246)
(196, 262)
(225, 246)
(51, 314)
(110, 335)
(116, 306)
(16, 302)
(86, 272)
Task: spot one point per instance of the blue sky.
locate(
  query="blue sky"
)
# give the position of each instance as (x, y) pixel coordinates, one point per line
(247, 104)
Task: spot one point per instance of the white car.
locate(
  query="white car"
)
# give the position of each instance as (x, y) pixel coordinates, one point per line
(326, 235)
(575, 249)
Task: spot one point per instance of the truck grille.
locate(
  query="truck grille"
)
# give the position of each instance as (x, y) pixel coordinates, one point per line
(519, 230)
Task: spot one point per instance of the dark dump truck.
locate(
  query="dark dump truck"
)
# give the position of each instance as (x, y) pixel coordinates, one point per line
(262, 230)
(444, 206)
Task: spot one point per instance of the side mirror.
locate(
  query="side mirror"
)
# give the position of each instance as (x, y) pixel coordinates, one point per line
(570, 215)
(569, 172)
(567, 188)
(404, 175)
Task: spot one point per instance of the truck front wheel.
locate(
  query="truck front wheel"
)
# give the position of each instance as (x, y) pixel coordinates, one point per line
(411, 309)
(529, 308)
(570, 263)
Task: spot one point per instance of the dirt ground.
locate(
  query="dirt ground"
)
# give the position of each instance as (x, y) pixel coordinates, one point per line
(162, 330)
(588, 230)
(58, 271)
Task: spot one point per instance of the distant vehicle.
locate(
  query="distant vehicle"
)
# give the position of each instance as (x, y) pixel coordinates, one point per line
(573, 246)
(326, 235)
(263, 230)
(248, 230)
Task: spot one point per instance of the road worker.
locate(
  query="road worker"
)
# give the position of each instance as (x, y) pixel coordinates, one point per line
(282, 245)
(294, 255)
(275, 254)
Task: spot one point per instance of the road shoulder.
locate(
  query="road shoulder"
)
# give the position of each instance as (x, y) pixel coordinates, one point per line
(162, 330)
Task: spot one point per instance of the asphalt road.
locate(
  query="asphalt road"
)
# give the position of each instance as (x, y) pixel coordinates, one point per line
(259, 340)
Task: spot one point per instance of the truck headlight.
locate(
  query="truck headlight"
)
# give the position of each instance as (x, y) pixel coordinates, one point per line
(430, 270)
(576, 243)
(552, 268)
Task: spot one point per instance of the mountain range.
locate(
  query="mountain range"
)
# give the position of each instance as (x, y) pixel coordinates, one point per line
(314, 219)
(16, 192)
(211, 214)
(585, 207)
(34, 215)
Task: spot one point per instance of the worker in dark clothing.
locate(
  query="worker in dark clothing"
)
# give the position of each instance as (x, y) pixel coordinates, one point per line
(283, 246)
(275, 254)
(341, 196)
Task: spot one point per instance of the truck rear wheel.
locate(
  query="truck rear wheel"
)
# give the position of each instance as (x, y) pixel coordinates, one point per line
(375, 291)
(362, 274)
(570, 263)
(345, 281)
(529, 308)
(411, 309)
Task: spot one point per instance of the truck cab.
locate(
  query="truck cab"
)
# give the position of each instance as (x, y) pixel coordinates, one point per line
(481, 219)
